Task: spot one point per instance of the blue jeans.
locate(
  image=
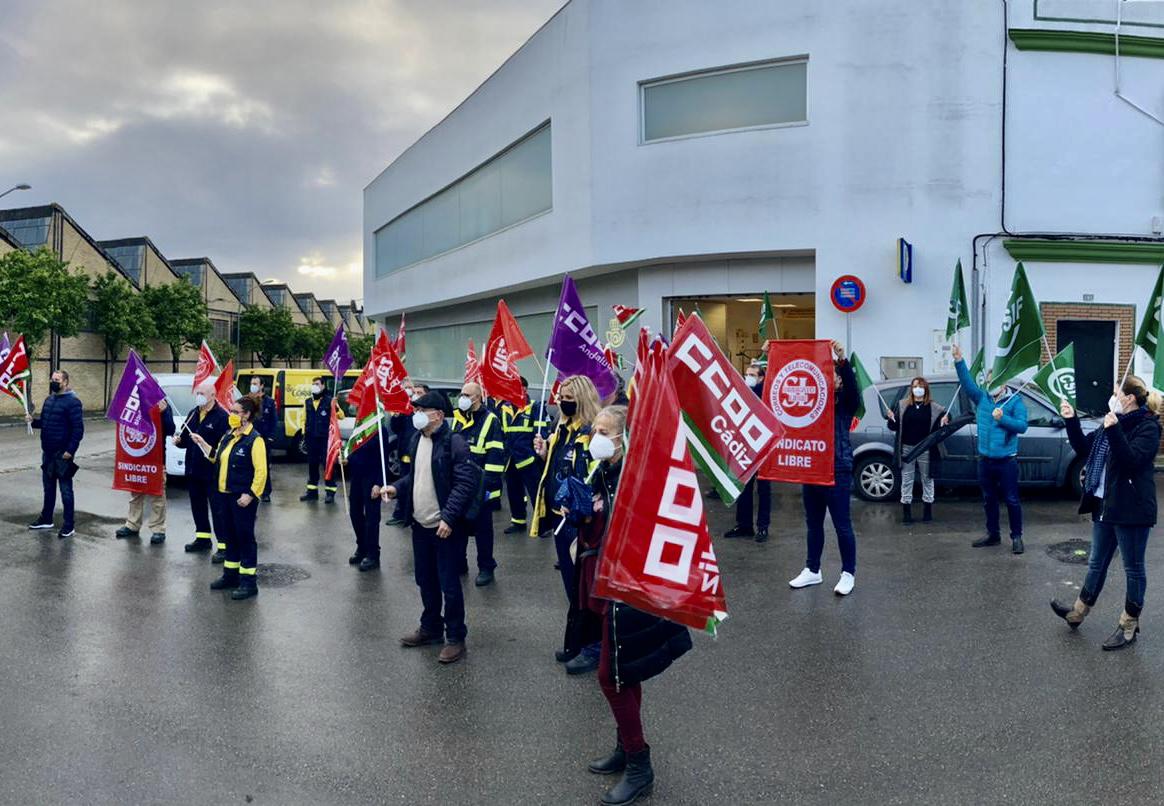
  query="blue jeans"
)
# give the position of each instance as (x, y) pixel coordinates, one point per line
(744, 504)
(50, 494)
(1132, 542)
(836, 501)
(437, 568)
(999, 479)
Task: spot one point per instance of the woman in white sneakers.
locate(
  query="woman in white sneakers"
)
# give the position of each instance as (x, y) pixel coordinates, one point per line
(834, 499)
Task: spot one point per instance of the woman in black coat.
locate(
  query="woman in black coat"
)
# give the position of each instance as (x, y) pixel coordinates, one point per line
(1119, 492)
(635, 645)
(915, 418)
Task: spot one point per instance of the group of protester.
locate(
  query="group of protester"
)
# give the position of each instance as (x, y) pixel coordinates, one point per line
(453, 464)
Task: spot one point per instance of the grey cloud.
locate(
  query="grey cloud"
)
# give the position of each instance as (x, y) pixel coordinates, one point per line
(241, 130)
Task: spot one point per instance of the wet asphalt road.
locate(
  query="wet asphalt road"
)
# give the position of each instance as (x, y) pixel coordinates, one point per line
(943, 679)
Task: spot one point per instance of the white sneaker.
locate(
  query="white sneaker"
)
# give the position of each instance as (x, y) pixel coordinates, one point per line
(845, 585)
(805, 578)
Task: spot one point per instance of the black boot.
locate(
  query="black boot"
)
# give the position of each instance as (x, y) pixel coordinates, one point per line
(927, 512)
(329, 498)
(907, 513)
(739, 531)
(228, 581)
(310, 495)
(199, 544)
(636, 781)
(245, 590)
(615, 762)
(218, 557)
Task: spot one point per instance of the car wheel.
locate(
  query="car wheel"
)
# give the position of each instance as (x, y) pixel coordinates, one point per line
(1075, 476)
(876, 478)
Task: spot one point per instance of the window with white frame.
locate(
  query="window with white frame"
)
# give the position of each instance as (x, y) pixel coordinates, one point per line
(752, 96)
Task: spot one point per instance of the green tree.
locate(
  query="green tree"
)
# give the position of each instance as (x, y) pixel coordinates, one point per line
(361, 349)
(39, 294)
(267, 332)
(122, 317)
(223, 350)
(311, 341)
(179, 316)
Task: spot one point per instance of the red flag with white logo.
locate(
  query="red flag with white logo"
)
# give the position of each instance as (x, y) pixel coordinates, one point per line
(398, 342)
(499, 361)
(657, 556)
(732, 431)
(384, 375)
(472, 366)
(356, 393)
(15, 372)
(224, 389)
(799, 389)
(207, 365)
(680, 318)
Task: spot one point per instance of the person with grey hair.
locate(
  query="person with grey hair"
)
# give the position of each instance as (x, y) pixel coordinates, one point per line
(208, 420)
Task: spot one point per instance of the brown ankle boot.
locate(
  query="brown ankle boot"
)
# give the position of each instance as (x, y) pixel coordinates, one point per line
(1073, 615)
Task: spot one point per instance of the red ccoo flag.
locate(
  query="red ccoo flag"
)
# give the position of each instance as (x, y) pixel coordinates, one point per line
(15, 373)
(473, 366)
(207, 365)
(505, 347)
(384, 375)
(224, 390)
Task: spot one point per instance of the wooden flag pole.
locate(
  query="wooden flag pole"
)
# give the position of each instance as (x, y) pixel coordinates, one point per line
(344, 482)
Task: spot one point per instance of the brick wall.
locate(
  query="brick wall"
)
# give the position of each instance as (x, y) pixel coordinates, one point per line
(1123, 315)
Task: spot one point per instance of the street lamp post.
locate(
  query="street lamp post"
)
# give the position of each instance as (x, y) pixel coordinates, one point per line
(15, 187)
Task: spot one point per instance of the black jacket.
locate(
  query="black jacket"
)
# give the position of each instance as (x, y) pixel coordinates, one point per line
(455, 475)
(210, 427)
(364, 463)
(61, 425)
(847, 401)
(1129, 489)
(644, 645)
(316, 419)
(936, 414)
(268, 419)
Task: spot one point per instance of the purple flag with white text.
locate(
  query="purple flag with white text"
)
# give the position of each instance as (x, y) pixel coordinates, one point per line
(574, 347)
(136, 395)
(338, 357)
(5, 346)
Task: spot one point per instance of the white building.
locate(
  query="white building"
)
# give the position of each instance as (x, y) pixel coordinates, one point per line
(669, 153)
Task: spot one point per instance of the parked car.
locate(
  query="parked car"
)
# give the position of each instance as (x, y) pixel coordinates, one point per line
(1045, 457)
(180, 398)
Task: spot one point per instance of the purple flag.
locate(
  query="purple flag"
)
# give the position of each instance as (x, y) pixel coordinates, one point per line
(338, 357)
(5, 346)
(137, 394)
(574, 347)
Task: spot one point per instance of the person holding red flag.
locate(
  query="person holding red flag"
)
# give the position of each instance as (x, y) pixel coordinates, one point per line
(366, 479)
(208, 420)
(835, 498)
(482, 430)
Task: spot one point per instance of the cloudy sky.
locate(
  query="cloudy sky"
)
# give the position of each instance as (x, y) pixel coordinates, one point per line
(242, 130)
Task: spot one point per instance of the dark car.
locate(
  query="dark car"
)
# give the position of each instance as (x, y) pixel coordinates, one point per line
(1045, 457)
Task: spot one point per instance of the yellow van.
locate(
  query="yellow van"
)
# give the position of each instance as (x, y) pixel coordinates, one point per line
(290, 389)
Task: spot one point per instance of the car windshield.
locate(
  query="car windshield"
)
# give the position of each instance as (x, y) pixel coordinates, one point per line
(180, 397)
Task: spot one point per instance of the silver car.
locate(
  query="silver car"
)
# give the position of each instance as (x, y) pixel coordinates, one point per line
(1046, 458)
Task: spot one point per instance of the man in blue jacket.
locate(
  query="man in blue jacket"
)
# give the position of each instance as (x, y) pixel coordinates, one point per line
(61, 430)
(1000, 420)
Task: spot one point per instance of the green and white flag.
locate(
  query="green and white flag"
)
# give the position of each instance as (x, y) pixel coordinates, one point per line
(768, 316)
(978, 368)
(959, 313)
(1149, 335)
(1057, 379)
(1020, 345)
(863, 383)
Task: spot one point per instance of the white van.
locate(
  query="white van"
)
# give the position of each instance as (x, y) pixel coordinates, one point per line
(180, 398)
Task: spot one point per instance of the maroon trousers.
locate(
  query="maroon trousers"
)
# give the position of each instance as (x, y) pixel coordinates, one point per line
(626, 704)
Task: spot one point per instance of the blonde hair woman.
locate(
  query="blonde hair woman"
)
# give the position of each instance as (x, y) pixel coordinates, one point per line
(566, 454)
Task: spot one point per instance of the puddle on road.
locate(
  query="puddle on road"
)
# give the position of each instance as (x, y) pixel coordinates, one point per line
(1070, 551)
(280, 575)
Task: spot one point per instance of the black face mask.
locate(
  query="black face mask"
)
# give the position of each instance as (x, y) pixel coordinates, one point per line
(54, 387)
(568, 407)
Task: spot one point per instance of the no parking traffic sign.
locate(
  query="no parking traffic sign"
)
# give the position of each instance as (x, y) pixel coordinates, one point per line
(847, 293)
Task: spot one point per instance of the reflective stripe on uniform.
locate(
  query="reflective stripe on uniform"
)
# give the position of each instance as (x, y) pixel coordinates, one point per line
(203, 535)
(311, 487)
(494, 468)
(495, 443)
(330, 489)
(516, 522)
(492, 495)
(248, 572)
(230, 566)
(520, 429)
(524, 463)
(222, 547)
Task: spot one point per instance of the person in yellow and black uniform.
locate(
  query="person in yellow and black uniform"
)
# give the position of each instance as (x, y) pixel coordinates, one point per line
(566, 454)
(523, 468)
(241, 460)
(481, 430)
(207, 420)
(316, 424)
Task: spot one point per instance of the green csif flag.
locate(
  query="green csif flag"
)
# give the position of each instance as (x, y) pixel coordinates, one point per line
(959, 313)
(1057, 378)
(978, 368)
(1149, 335)
(768, 316)
(1020, 345)
(863, 383)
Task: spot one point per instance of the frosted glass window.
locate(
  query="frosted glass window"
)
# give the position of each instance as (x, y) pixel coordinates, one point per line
(741, 98)
(513, 186)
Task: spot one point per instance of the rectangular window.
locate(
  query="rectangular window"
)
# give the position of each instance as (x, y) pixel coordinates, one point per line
(514, 186)
(191, 273)
(732, 99)
(130, 259)
(30, 233)
(221, 329)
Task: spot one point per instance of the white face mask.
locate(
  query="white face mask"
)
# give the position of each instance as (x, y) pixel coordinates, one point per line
(464, 403)
(199, 400)
(316, 389)
(255, 388)
(919, 392)
(602, 447)
(1115, 405)
(420, 420)
(753, 380)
